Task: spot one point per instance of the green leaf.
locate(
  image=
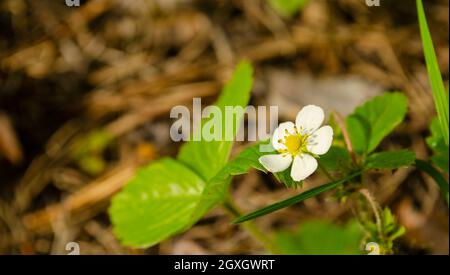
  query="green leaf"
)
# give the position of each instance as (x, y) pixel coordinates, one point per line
(374, 120)
(295, 199)
(390, 160)
(438, 178)
(92, 164)
(437, 84)
(434, 141)
(156, 203)
(166, 197)
(321, 238)
(207, 158)
(336, 159)
(88, 150)
(95, 142)
(288, 7)
(216, 189)
(437, 144)
(441, 160)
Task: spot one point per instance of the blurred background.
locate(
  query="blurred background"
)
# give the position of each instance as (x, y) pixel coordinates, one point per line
(85, 96)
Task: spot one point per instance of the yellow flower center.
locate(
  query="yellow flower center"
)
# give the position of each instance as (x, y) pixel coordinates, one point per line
(295, 143)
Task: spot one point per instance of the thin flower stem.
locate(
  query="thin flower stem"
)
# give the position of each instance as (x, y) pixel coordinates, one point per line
(348, 143)
(375, 208)
(233, 209)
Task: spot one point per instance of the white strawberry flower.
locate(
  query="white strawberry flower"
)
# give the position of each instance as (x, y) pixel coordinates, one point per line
(299, 144)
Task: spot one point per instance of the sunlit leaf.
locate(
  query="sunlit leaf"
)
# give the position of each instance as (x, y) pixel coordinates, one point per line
(207, 158)
(165, 198)
(156, 203)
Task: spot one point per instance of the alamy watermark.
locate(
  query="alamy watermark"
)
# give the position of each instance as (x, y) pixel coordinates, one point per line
(372, 248)
(73, 248)
(73, 3)
(373, 3)
(76, 3)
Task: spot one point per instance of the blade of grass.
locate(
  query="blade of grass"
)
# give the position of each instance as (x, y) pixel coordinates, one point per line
(436, 175)
(437, 85)
(295, 199)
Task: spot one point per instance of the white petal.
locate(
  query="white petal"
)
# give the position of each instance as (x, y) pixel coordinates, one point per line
(280, 133)
(276, 163)
(309, 119)
(303, 166)
(320, 141)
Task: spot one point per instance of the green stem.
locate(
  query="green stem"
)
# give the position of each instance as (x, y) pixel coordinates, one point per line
(233, 209)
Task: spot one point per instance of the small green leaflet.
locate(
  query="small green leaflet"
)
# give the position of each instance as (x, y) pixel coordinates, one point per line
(319, 237)
(374, 120)
(392, 229)
(390, 159)
(288, 7)
(88, 151)
(437, 85)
